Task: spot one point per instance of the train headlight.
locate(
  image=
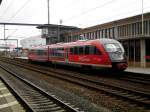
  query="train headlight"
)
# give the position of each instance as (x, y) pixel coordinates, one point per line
(117, 56)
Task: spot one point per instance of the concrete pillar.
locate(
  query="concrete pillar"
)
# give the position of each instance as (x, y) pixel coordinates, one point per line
(143, 52)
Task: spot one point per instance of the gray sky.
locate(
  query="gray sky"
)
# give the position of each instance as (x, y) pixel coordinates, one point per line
(81, 13)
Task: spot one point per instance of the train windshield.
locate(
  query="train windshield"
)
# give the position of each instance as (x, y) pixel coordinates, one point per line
(115, 51)
(114, 47)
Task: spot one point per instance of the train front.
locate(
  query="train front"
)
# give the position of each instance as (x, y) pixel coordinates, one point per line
(116, 54)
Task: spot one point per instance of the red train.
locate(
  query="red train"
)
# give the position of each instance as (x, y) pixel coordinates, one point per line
(99, 53)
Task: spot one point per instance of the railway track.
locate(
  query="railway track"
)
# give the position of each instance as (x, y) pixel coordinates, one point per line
(138, 97)
(136, 78)
(127, 76)
(35, 98)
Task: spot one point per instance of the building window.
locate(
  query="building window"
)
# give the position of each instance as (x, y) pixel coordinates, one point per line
(45, 31)
(149, 27)
(105, 35)
(125, 28)
(94, 36)
(121, 31)
(97, 34)
(146, 27)
(133, 29)
(100, 33)
(113, 32)
(84, 35)
(87, 35)
(138, 28)
(108, 33)
(90, 35)
(129, 29)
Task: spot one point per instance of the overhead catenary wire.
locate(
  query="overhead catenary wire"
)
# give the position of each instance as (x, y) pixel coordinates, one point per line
(87, 11)
(120, 14)
(90, 10)
(7, 8)
(93, 9)
(18, 11)
(9, 35)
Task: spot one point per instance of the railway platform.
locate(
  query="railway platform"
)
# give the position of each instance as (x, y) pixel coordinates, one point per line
(138, 70)
(8, 102)
(24, 58)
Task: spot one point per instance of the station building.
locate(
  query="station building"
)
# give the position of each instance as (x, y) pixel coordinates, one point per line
(55, 33)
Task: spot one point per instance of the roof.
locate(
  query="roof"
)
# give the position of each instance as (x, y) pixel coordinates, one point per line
(84, 42)
(56, 26)
(120, 21)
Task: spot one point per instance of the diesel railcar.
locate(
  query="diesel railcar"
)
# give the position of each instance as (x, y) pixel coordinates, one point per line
(98, 53)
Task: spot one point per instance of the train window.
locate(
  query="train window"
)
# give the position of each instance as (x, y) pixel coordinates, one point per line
(60, 52)
(87, 50)
(76, 50)
(81, 50)
(33, 52)
(71, 50)
(38, 52)
(53, 50)
(57, 52)
(91, 49)
(94, 50)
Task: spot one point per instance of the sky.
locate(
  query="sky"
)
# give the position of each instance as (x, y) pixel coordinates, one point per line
(80, 13)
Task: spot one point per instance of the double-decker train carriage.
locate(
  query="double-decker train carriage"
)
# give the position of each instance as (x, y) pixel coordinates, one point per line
(99, 53)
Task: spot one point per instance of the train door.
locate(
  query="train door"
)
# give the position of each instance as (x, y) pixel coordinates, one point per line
(66, 55)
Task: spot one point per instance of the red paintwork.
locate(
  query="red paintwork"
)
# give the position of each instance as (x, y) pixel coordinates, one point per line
(83, 59)
(102, 60)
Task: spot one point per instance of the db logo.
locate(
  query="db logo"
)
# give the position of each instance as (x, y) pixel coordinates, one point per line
(84, 59)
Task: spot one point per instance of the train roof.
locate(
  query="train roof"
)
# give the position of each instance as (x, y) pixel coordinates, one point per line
(77, 43)
(39, 47)
(84, 42)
